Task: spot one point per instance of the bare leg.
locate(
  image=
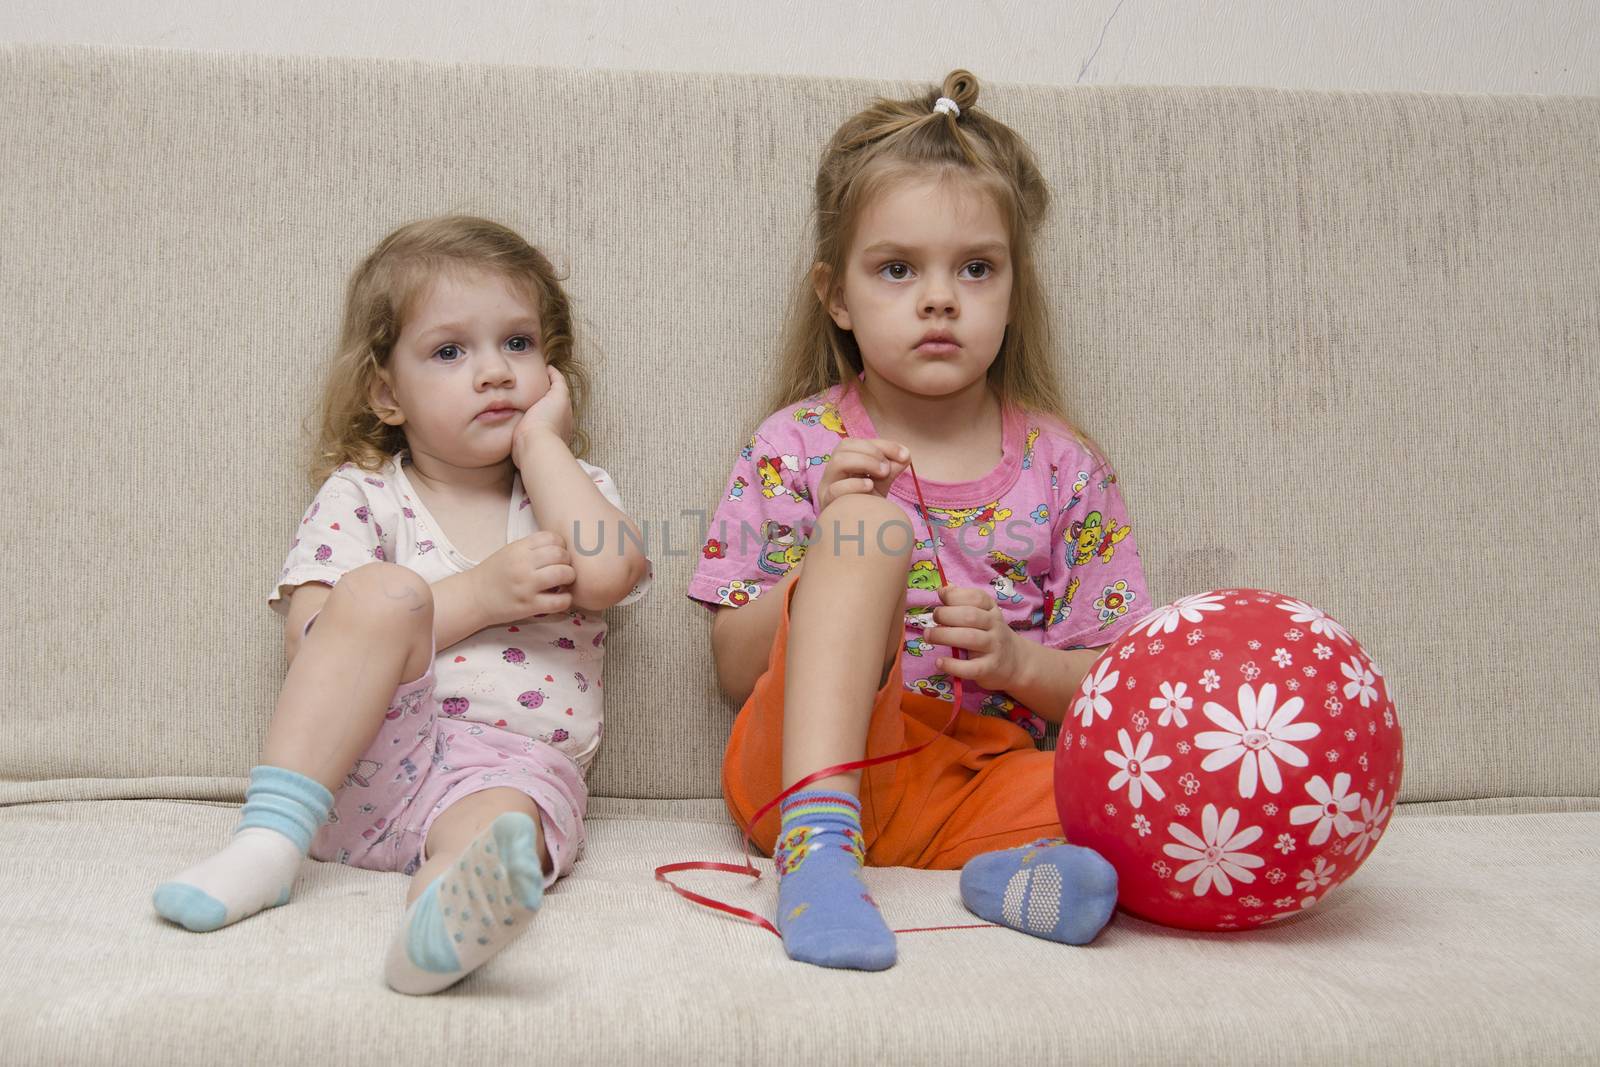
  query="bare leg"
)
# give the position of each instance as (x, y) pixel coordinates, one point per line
(457, 826)
(481, 881)
(374, 633)
(845, 622)
(845, 629)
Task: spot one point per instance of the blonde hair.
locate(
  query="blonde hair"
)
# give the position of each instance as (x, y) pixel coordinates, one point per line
(380, 295)
(896, 140)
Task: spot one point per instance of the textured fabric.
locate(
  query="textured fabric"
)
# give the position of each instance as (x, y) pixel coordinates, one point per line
(1464, 940)
(982, 786)
(1044, 528)
(539, 677)
(1324, 336)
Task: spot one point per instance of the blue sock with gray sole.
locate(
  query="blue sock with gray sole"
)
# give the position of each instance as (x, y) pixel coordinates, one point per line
(1047, 888)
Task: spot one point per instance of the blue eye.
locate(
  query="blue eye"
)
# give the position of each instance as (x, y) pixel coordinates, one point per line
(894, 272)
(983, 270)
(520, 343)
(449, 353)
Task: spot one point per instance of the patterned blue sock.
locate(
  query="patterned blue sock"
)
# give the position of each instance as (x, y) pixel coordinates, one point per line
(824, 912)
(255, 870)
(472, 911)
(1048, 888)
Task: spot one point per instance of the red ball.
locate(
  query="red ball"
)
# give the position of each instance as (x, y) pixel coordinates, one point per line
(1234, 757)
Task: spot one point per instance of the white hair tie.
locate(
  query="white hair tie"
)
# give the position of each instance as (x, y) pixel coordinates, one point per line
(947, 106)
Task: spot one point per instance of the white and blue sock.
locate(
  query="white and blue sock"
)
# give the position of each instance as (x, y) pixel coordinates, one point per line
(825, 914)
(472, 911)
(1048, 888)
(256, 869)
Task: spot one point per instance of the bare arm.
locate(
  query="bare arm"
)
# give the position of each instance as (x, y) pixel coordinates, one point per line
(1049, 678)
(566, 500)
(741, 638)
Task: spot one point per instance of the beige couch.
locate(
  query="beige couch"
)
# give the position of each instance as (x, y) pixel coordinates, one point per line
(1344, 345)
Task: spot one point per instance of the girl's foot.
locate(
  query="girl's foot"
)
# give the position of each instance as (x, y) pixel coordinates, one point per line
(1048, 888)
(824, 911)
(256, 869)
(470, 912)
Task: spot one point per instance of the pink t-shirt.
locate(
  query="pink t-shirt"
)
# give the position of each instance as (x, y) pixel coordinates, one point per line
(1045, 532)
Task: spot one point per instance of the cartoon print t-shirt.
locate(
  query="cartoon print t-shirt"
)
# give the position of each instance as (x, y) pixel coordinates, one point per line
(539, 677)
(1046, 532)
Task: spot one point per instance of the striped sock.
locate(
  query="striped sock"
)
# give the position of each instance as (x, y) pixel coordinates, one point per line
(1047, 888)
(256, 869)
(825, 914)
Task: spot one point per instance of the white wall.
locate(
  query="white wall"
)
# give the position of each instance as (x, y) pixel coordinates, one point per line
(1503, 46)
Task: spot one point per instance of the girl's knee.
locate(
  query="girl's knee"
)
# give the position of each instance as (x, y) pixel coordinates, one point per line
(383, 596)
(864, 526)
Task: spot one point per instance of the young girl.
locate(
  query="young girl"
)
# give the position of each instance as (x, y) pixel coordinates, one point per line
(921, 333)
(444, 641)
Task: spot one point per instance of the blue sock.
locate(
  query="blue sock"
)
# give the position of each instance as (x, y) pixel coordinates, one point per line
(255, 870)
(824, 912)
(1048, 888)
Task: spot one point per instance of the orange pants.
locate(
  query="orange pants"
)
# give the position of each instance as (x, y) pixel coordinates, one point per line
(981, 787)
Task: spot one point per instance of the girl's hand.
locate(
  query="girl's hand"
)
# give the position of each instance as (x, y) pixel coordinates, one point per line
(861, 465)
(971, 620)
(529, 576)
(552, 412)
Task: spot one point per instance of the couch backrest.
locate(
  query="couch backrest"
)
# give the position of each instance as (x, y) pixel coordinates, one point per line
(1343, 345)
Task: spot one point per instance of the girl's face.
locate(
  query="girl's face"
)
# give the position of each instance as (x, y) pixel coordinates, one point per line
(467, 364)
(926, 287)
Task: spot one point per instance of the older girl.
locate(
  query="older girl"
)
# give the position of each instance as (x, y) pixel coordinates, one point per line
(920, 332)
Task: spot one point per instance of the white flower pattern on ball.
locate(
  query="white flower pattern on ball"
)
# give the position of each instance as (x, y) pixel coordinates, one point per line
(1095, 686)
(1359, 682)
(1134, 765)
(1256, 738)
(1329, 811)
(1172, 703)
(1185, 609)
(1315, 877)
(1314, 619)
(1217, 853)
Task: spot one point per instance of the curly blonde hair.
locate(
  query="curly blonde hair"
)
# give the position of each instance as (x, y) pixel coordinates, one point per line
(898, 140)
(383, 290)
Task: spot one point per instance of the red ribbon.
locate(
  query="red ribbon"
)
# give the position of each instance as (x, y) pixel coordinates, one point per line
(747, 868)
